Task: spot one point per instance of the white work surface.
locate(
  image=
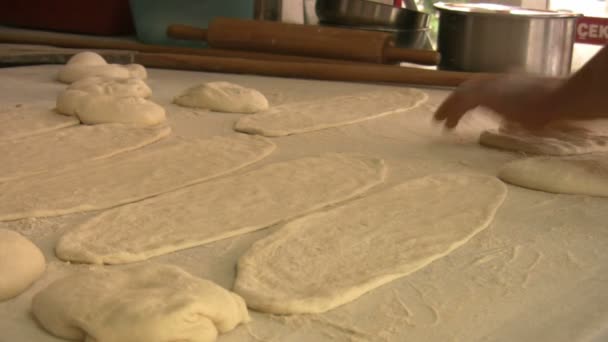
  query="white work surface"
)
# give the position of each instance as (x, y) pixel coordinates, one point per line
(539, 272)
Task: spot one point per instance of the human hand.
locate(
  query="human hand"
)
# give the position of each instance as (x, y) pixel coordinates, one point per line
(522, 100)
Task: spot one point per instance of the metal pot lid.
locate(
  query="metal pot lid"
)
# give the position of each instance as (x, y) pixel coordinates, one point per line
(502, 10)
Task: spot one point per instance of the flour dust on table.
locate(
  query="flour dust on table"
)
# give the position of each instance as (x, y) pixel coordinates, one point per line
(149, 302)
(66, 147)
(300, 117)
(220, 209)
(557, 139)
(223, 97)
(578, 175)
(323, 260)
(26, 121)
(88, 64)
(129, 177)
(21, 264)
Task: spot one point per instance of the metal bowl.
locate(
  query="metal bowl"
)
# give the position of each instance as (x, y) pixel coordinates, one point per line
(410, 39)
(370, 14)
(497, 38)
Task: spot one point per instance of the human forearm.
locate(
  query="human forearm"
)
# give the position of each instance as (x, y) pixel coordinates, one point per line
(585, 94)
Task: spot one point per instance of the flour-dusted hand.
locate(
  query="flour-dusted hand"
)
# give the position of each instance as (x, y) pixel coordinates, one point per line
(533, 101)
(521, 99)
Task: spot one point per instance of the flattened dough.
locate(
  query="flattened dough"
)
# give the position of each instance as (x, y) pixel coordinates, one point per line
(60, 148)
(579, 175)
(556, 140)
(149, 302)
(129, 177)
(25, 121)
(219, 209)
(21, 264)
(223, 97)
(324, 113)
(329, 258)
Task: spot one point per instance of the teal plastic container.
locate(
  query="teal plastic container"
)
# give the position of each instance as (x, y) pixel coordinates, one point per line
(152, 17)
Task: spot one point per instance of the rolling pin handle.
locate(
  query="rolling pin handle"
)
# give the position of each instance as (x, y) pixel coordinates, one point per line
(186, 32)
(425, 57)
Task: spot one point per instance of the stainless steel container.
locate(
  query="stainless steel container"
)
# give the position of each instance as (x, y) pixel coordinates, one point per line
(409, 26)
(496, 38)
(370, 13)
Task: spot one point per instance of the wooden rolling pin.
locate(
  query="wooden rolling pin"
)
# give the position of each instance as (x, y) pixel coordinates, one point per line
(303, 40)
(356, 72)
(67, 40)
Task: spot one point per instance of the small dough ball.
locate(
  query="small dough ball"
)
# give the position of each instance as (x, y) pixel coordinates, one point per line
(223, 97)
(87, 58)
(97, 109)
(101, 85)
(88, 64)
(68, 101)
(147, 303)
(137, 71)
(21, 264)
(74, 72)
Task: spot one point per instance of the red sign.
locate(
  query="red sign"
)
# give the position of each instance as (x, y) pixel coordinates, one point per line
(591, 30)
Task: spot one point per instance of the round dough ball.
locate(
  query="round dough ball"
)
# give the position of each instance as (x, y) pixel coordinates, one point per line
(577, 175)
(21, 264)
(223, 97)
(74, 72)
(145, 303)
(87, 58)
(101, 85)
(97, 109)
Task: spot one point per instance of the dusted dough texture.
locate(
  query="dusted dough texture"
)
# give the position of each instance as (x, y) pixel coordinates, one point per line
(98, 109)
(25, 121)
(100, 85)
(556, 140)
(96, 100)
(66, 147)
(162, 167)
(308, 116)
(88, 64)
(329, 258)
(151, 303)
(72, 73)
(219, 209)
(21, 264)
(223, 97)
(579, 175)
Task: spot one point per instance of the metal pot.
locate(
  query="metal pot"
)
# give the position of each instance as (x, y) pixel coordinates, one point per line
(496, 38)
(370, 13)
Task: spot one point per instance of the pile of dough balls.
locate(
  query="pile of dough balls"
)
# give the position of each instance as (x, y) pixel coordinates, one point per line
(87, 64)
(107, 93)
